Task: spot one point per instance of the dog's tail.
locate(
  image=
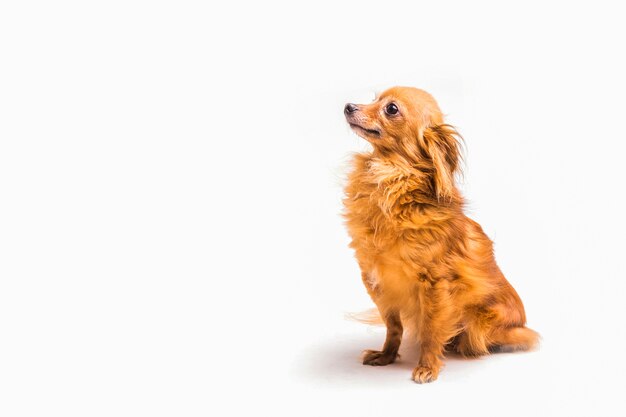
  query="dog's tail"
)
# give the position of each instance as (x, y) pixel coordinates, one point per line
(371, 317)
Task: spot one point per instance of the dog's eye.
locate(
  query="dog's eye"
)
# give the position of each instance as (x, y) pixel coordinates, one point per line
(391, 109)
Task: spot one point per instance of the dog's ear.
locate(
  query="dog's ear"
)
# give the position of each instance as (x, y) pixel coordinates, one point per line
(442, 146)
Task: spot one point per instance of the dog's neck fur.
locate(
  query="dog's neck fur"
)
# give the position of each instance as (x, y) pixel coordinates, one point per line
(403, 181)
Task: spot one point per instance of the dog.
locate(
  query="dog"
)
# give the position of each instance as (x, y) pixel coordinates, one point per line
(428, 267)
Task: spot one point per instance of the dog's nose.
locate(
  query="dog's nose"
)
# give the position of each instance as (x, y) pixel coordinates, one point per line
(350, 108)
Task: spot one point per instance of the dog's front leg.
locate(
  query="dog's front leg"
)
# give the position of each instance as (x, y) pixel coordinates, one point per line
(427, 369)
(392, 342)
(436, 328)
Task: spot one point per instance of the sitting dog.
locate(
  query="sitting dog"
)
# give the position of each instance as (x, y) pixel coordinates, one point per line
(428, 267)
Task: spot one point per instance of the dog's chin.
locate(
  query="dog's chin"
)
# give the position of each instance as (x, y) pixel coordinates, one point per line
(367, 134)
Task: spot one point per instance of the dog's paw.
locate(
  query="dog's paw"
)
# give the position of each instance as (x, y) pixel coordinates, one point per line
(378, 358)
(425, 374)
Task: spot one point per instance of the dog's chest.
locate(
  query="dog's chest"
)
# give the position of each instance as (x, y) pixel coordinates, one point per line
(386, 225)
(374, 199)
(368, 224)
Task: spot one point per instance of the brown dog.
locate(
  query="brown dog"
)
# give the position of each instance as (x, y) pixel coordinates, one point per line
(427, 266)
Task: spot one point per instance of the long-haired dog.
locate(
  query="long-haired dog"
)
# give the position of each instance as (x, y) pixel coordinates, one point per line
(428, 267)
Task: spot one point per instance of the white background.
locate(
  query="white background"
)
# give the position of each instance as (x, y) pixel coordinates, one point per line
(170, 196)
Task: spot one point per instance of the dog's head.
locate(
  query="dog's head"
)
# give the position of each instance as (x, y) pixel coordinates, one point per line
(406, 122)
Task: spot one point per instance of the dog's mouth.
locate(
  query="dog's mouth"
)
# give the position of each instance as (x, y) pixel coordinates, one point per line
(359, 128)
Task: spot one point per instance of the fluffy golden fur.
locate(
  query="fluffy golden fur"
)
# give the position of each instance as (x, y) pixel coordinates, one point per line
(428, 267)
